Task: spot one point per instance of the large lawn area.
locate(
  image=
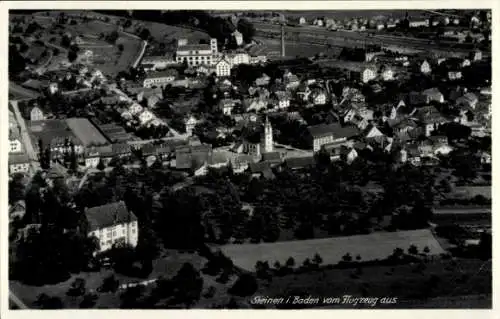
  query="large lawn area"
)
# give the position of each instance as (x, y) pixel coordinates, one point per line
(451, 278)
(369, 247)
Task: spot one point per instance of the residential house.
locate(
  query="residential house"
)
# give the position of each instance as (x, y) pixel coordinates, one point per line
(425, 67)
(280, 100)
(302, 20)
(319, 22)
(263, 80)
(348, 154)
(190, 123)
(386, 73)
(160, 79)
(36, 114)
(303, 92)
(371, 131)
(297, 163)
(255, 104)
(18, 163)
(223, 68)
(238, 37)
(112, 224)
(17, 210)
(145, 117)
(430, 119)
(426, 96)
(261, 170)
(454, 75)
(226, 106)
(135, 108)
(318, 97)
(15, 145)
(476, 55)
(468, 100)
(238, 57)
(322, 134)
(154, 63)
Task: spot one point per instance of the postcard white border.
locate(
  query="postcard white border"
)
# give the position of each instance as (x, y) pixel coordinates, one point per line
(233, 5)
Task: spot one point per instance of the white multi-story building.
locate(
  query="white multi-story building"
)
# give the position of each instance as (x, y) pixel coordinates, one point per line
(223, 68)
(197, 54)
(15, 145)
(112, 224)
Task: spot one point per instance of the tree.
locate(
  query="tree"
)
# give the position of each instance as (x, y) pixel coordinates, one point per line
(145, 34)
(72, 55)
(347, 257)
(188, 285)
(77, 287)
(100, 165)
(89, 301)
(277, 265)
(245, 285)
(109, 284)
(413, 250)
(317, 259)
(247, 30)
(45, 301)
(112, 37)
(290, 262)
(121, 47)
(427, 249)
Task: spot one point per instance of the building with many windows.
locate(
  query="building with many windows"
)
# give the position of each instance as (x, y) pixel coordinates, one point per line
(223, 68)
(196, 54)
(160, 79)
(112, 224)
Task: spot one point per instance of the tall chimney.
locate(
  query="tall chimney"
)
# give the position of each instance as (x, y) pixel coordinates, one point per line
(282, 39)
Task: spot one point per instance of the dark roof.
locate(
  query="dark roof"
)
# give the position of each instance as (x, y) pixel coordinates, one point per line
(108, 215)
(271, 157)
(166, 73)
(334, 129)
(300, 162)
(18, 158)
(194, 47)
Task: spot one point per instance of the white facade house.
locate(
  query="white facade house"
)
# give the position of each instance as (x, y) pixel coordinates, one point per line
(223, 68)
(237, 58)
(238, 37)
(15, 145)
(36, 114)
(112, 224)
(197, 54)
(18, 163)
(146, 116)
(190, 124)
(425, 67)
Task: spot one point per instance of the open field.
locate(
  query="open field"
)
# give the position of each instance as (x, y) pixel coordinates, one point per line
(455, 278)
(472, 191)
(369, 247)
(296, 48)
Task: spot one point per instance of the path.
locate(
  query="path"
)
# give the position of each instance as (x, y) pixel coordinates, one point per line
(16, 301)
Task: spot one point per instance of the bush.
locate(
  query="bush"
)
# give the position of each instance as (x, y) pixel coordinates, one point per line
(109, 284)
(246, 285)
(77, 288)
(89, 301)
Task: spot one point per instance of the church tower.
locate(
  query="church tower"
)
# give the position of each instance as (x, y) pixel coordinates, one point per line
(268, 137)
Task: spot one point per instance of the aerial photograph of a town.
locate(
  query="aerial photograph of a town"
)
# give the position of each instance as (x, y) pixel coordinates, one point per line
(252, 159)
